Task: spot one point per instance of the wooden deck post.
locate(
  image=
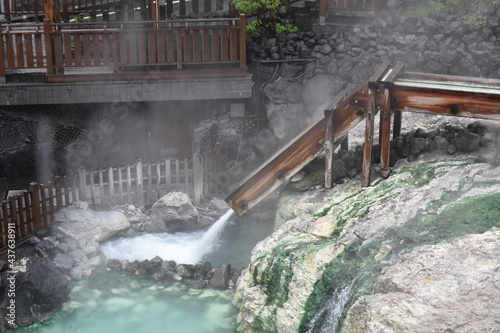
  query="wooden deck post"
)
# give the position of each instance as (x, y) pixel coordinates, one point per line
(35, 207)
(370, 117)
(59, 201)
(385, 133)
(329, 140)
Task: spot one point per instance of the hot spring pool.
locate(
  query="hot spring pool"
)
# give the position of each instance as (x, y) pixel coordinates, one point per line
(109, 301)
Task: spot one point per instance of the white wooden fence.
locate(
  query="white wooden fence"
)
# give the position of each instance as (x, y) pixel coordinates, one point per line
(142, 183)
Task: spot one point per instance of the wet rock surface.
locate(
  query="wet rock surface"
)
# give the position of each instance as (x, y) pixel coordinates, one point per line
(435, 288)
(40, 289)
(339, 240)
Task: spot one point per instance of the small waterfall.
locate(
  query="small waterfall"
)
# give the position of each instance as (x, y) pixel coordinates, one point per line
(327, 318)
(209, 238)
(186, 248)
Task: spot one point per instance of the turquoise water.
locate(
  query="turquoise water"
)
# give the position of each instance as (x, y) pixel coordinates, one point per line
(109, 301)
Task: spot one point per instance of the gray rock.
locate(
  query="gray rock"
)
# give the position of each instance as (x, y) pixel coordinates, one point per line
(446, 287)
(63, 262)
(173, 212)
(221, 276)
(287, 120)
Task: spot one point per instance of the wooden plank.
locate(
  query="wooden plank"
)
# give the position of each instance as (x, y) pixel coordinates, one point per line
(150, 183)
(30, 59)
(111, 184)
(129, 185)
(224, 44)
(102, 197)
(14, 217)
(180, 60)
(21, 216)
(141, 38)
(83, 183)
(207, 6)
(170, 46)
(158, 180)
(385, 133)
(106, 49)
(39, 51)
(177, 175)
(77, 42)
(58, 51)
(194, 6)
(66, 189)
(216, 44)
(196, 45)
(329, 143)
(93, 199)
(234, 46)
(188, 47)
(139, 183)
(96, 48)
(186, 175)
(124, 48)
(152, 43)
(2, 54)
(34, 191)
(9, 45)
(59, 197)
(120, 185)
(197, 178)
(68, 54)
(87, 56)
(160, 46)
(168, 175)
(460, 103)
(206, 45)
(27, 210)
(367, 156)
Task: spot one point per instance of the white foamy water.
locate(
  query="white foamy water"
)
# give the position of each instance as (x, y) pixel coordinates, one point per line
(186, 248)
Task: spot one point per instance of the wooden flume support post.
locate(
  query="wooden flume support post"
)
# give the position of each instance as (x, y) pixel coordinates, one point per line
(330, 137)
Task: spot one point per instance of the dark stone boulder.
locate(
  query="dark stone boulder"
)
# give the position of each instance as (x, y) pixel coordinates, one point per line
(40, 288)
(221, 276)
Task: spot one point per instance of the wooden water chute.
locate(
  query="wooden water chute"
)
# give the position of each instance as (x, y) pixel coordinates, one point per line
(389, 92)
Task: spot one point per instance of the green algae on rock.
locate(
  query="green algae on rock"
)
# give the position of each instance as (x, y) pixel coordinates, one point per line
(346, 235)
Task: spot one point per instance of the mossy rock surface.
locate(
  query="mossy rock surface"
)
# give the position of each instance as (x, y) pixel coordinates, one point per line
(345, 236)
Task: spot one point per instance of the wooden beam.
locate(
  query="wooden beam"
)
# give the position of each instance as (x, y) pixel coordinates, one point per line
(330, 137)
(367, 156)
(385, 133)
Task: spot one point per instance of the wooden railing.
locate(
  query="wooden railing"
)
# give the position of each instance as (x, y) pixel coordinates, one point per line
(139, 184)
(109, 10)
(359, 5)
(124, 48)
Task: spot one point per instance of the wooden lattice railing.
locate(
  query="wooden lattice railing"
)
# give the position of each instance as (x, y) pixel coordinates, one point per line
(127, 48)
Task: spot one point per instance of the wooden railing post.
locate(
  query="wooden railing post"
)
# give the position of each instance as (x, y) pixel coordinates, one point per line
(7, 10)
(197, 178)
(59, 202)
(139, 183)
(48, 46)
(82, 180)
(2, 55)
(243, 41)
(35, 206)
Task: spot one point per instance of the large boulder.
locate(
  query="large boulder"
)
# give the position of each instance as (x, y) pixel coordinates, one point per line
(39, 289)
(452, 287)
(89, 226)
(287, 120)
(173, 212)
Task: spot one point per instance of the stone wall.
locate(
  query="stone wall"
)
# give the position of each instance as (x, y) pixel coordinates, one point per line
(298, 91)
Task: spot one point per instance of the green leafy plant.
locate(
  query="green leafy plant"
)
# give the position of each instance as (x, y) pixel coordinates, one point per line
(266, 15)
